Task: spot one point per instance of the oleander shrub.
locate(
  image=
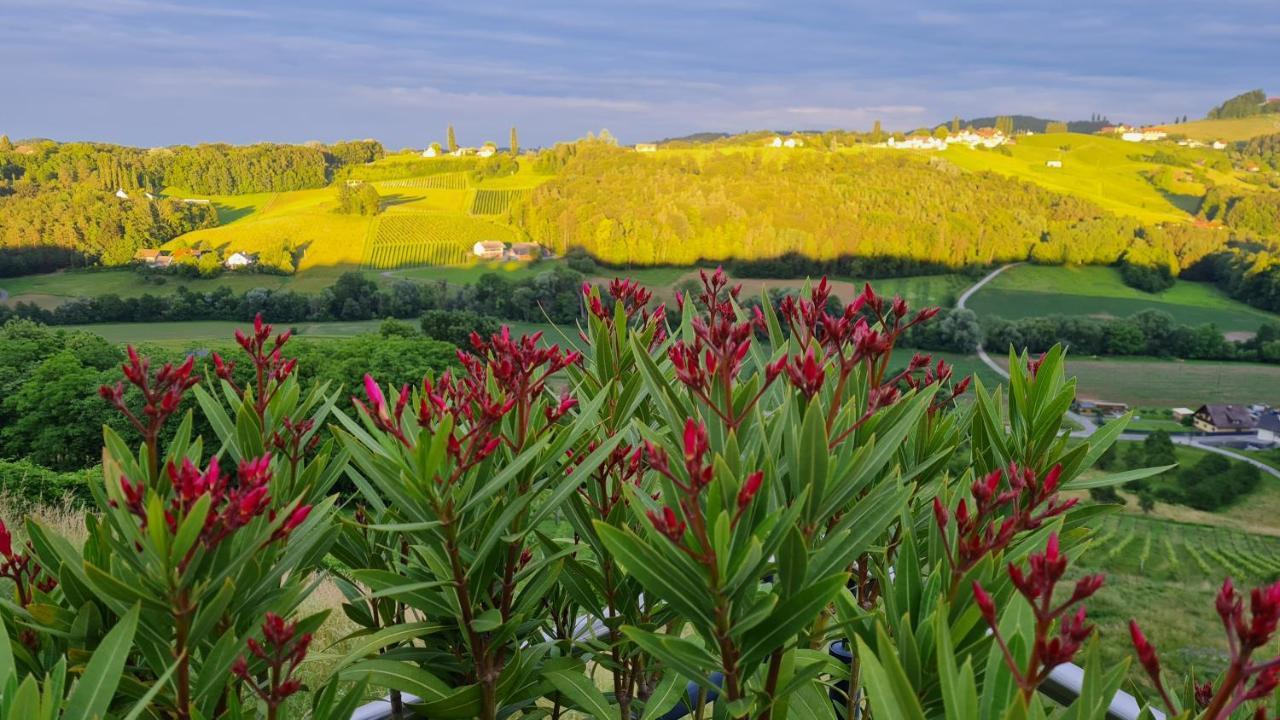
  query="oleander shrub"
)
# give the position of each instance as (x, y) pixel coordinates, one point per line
(749, 513)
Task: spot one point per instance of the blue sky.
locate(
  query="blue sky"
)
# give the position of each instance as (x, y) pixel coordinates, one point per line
(156, 72)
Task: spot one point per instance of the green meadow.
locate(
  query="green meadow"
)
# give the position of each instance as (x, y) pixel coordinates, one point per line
(1037, 290)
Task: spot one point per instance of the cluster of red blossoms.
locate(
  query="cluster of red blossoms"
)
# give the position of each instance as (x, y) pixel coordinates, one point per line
(161, 394)
(25, 572)
(625, 464)
(268, 364)
(714, 360)
(231, 507)
(999, 514)
(1037, 586)
(284, 651)
(1244, 638)
(634, 299)
(863, 333)
(520, 368)
(697, 475)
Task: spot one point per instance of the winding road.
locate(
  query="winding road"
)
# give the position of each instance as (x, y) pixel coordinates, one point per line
(1087, 424)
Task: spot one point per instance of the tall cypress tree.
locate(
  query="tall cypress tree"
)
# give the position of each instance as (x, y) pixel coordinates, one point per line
(452, 140)
(515, 141)
(876, 133)
(955, 125)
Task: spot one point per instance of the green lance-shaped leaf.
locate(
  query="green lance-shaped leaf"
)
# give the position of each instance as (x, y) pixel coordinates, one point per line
(92, 695)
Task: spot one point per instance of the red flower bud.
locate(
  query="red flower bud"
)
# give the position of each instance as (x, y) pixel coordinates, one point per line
(749, 489)
(986, 605)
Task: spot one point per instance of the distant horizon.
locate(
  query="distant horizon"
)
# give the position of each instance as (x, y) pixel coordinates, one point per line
(166, 72)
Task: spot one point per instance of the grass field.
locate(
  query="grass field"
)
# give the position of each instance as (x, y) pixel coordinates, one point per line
(1107, 171)
(1174, 383)
(1233, 129)
(1038, 290)
(51, 289)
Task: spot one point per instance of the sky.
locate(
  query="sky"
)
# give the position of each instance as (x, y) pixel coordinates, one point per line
(161, 72)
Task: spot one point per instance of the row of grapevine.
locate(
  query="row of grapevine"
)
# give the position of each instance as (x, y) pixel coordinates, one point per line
(495, 202)
(444, 181)
(405, 239)
(1125, 544)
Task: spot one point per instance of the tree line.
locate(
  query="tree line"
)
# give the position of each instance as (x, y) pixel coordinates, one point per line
(1147, 332)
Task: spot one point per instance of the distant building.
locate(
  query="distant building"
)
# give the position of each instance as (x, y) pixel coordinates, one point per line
(775, 142)
(149, 196)
(147, 255)
(646, 147)
(430, 152)
(793, 142)
(489, 249)
(486, 151)
(1224, 419)
(1219, 145)
(525, 252)
(1182, 413)
(195, 201)
(239, 260)
(122, 194)
(164, 261)
(1101, 407)
(918, 142)
(1053, 163)
(1269, 426)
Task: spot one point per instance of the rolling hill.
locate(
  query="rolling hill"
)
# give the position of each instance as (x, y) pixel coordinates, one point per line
(1228, 130)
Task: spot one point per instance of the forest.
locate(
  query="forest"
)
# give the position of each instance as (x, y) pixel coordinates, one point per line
(677, 209)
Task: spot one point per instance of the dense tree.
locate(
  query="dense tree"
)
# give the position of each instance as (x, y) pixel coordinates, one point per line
(1245, 104)
(514, 142)
(451, 139)
(1055, 126)
(358, 199)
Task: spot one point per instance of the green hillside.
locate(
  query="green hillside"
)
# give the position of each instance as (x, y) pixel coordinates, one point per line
(1107, 171)
(428, 205)
(1228, 130)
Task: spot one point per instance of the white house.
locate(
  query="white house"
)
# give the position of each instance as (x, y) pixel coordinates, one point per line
(122, 194)
(486, 151)
(646, 147)
(918, 142)
(792, 142)
(1053, 163)
(1131, 136)
(1219, 145)
(775, 142)
(430, 152)
(239, 260)
(489, 249)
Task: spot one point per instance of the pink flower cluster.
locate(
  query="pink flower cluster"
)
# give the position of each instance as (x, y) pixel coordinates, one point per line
(269, 366)
(231, 506)
(1245, 680)
(710, 364)
(1000, 512)
(697, 474)
(1037, 586)
(520, 368)
(22, 569)
(282, 651)
(161, 393)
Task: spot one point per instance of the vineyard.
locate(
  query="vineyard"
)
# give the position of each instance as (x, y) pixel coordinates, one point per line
(420, 239)
(1180, 552)
(494, 202)
(444, 181)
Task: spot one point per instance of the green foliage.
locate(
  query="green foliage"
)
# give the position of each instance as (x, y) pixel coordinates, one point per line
(359, 199)
(754, 206)
(1245, 104)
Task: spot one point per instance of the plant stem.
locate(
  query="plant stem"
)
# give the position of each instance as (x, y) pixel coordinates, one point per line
(182, 629)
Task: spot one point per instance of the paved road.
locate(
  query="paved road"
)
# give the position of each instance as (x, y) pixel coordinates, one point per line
(4, 294)
(1088, 425)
